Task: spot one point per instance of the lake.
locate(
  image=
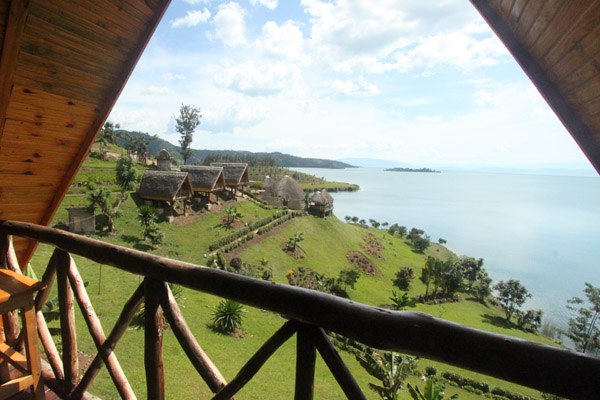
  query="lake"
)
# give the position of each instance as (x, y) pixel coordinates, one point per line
(541, 229)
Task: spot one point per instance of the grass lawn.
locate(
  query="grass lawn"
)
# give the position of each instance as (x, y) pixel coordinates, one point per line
(326, 243)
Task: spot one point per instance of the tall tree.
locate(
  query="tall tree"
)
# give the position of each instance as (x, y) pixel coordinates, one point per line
(187, 121)
(107, 134)
(582, 328)
(511, 295)
(126, 174)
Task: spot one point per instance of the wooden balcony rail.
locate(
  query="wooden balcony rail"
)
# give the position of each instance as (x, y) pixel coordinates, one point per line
(310, 314)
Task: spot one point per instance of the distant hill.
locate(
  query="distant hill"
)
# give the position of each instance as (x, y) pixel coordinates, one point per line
(156, 144)
(374, 163)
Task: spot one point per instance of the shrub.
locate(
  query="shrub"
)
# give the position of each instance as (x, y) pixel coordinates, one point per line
(430, 371)
(462, 382)
(228, 316)
(403, 278)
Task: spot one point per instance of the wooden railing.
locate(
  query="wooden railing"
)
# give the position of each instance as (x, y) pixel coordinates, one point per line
(310, 314)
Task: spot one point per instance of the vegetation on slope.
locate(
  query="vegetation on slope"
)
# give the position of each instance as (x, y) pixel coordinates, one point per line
(325, 245)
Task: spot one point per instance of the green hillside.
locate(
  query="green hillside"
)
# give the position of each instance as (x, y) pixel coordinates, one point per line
(325, 247)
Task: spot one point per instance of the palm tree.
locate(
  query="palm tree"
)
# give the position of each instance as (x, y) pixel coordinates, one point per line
(107, 134)
(294, 240)
(432, 391)
(390, 368)
(231, 215)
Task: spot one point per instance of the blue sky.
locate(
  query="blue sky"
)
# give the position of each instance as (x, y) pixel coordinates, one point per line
(421, 82)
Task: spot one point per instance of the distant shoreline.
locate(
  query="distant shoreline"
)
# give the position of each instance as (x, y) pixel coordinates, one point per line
(400, 169)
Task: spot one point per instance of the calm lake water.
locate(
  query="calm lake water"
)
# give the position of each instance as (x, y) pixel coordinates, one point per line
(543, 230)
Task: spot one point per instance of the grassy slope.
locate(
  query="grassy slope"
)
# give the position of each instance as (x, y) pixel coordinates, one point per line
(326, 243)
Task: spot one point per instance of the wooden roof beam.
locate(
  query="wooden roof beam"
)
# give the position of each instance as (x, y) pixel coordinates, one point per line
(17, 17)
(568, 115)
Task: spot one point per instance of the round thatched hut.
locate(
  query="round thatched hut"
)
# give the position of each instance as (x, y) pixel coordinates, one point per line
(321, 202)
(285, 192)
(163, 160)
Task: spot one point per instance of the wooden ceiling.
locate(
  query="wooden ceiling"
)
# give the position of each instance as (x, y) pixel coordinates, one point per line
(557, 43)
(64, 63)
(62, 68)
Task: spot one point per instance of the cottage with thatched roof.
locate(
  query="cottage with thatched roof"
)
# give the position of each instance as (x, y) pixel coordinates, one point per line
(321, 202)
(205, 180)
(236, 174)
(163, 160)
(285, 192)
(165, 187)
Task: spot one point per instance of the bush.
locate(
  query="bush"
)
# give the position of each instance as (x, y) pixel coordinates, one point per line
(228, 316)
(462, 382)
(403, 278)
(508, 394)
(430, 371)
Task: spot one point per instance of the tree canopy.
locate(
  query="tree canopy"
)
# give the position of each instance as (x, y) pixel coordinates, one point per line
(583, 329)
(511, 294)
(186, 123)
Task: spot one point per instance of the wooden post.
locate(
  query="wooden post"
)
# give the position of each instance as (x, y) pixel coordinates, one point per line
(205, 367)
(33, 352)
(67, 322)
(258, 360)
(40, 299)
(153, 331)
(95, 328)
(129, 310)
(305, 365)
(10, 320)
(336, 365)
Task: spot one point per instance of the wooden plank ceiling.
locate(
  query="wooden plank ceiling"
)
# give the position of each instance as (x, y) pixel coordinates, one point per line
(557, 43)
(63, 65)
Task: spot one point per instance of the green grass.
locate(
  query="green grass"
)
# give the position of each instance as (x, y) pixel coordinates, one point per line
(326, 244)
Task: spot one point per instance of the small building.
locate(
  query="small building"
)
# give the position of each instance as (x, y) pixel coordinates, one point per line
(235, 174)
(81, 220)
(321, 202)
(165, 188)
(205, 180)
(285, 192)
(163, 160)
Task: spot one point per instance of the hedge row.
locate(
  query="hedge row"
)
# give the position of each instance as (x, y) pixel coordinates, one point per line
(234, 245)
(262, 204)
(231, 241)
(279, 221)
(463, 382)
(481, 388)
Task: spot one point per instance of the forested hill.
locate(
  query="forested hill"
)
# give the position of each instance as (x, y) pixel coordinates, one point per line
(156, 144)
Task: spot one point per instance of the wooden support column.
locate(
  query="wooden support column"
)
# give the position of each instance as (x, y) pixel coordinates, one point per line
(336, 365)
(10, 320)
(67, 322)
(306, 356)
(43, 332)
(129, 310)
(153, 332)
(199, 359)
(258, 360)
(95, 328)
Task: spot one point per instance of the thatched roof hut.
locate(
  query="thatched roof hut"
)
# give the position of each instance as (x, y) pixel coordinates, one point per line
(165, 186)
(236, 174)
(286, 192)
(322, 202)
(205, 179)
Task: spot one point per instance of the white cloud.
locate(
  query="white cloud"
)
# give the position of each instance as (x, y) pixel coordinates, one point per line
(387, 35)
(230, 25)
(259, 80)
(192, 18)
(227, 117)
(156, 90)
(169, 76)
(360, 87)
(270, 4)
(282, 40)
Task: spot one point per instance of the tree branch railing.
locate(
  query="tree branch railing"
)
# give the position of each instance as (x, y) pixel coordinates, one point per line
(310, 314)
